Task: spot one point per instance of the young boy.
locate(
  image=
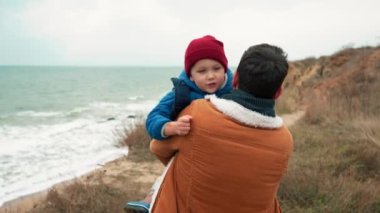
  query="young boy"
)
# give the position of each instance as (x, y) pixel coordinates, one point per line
(205, 72)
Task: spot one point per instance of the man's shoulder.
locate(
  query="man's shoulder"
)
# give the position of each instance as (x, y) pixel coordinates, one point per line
(198, 106)
(202, 102)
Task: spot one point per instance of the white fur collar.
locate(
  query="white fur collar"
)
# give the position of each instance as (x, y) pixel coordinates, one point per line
(244, 115)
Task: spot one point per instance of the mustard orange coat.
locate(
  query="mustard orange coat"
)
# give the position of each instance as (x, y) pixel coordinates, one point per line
(232, 161)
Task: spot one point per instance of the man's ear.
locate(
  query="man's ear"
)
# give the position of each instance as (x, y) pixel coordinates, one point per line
(278, 93)
(235, 80)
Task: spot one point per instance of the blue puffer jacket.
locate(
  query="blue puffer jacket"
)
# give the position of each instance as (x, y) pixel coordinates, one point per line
(162, 113)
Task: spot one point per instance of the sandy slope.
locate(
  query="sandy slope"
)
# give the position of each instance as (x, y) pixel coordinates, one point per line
(111, 172)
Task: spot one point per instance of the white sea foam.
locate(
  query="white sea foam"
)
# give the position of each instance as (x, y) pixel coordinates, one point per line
(45, 155)
(39, 114)
(134, 98)
(34, 157)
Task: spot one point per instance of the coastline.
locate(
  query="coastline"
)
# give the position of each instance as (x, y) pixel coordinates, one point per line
(109, 174)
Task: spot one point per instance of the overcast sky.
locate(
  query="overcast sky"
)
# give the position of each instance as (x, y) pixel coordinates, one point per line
(156, 32)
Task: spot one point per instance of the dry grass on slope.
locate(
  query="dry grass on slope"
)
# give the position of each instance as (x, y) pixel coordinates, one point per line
(335, 166)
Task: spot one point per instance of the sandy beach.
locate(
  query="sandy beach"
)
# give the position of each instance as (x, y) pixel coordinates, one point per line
(144, 172)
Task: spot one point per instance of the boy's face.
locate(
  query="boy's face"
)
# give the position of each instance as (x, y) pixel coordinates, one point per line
(208, 75)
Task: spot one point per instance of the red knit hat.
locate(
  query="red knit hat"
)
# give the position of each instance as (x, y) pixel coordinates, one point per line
(206, 47)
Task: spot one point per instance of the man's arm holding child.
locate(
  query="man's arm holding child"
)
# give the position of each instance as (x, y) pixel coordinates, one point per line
(164, 151)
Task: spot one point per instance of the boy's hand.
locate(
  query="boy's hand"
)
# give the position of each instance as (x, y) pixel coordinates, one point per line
(179, 127)
(183, 125)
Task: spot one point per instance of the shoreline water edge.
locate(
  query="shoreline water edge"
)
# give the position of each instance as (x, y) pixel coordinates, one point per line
(107, 171)
(58, 123)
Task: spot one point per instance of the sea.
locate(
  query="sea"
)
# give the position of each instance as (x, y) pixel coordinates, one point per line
(60, 122)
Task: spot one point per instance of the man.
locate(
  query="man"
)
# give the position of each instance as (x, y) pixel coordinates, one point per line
(237, 150)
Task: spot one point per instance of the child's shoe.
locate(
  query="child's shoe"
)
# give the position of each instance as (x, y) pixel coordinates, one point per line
(137, 207)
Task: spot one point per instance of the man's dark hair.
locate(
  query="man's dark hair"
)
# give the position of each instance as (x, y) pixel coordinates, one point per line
(262, 69)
